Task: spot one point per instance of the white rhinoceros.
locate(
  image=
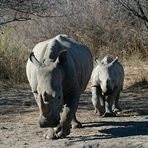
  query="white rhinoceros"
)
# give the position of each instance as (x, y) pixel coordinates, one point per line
(107, 82)
(58, 71)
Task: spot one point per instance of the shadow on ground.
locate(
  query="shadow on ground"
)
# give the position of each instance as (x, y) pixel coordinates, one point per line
(16, 100)
(114, 130)
(133, 100)
(126, 129)
(121, 129)
(143, 84)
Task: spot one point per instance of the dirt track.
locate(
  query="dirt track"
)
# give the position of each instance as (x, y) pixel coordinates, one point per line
(19, 122)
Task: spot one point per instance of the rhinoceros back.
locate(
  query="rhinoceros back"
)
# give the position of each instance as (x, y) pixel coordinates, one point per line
(82, 59)
(84, 65)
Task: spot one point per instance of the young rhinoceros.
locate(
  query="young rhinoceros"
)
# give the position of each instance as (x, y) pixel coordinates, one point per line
(57, 74)
(107, 82)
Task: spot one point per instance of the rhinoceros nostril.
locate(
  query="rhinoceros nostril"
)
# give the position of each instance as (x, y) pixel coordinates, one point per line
(45, 122)
(46, 100)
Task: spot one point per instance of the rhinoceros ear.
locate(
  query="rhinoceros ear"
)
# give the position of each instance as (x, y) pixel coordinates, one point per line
(113, 62)
(62, 57)
(97, 61)
(34, 60)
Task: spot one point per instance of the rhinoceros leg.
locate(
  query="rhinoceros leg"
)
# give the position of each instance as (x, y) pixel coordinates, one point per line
(68, 114)
(35, 96)
(75, 123)
(98, 101)
(108, 106)
(116, 106)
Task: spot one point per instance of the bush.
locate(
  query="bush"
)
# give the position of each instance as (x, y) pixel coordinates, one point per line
(12, 58)
(102, 25)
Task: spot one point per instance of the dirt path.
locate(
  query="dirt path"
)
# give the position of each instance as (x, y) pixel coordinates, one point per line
(19, 122)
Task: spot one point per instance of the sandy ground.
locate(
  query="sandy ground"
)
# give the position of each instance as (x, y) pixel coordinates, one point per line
(19, 120)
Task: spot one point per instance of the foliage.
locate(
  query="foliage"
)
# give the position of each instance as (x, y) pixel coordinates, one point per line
(22, 10)
(103, 25)
(138, 8)
(12, 58)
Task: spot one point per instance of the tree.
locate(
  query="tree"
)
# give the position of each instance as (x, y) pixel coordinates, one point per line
(22, 10)
(138, 8)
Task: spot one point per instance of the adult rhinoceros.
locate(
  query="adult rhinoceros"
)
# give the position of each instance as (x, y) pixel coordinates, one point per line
(58, 71)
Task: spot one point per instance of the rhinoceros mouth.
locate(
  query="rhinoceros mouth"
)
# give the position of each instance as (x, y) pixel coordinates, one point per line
(45, 122)
(108, 93)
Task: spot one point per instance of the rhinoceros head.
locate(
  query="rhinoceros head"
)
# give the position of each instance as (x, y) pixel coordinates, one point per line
(49, 90)
(106, 76)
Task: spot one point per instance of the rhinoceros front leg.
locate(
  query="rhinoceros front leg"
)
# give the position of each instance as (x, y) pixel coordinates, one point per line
(75, 123)
(68, 114)
(98, 101)
(70, 107)
(109, 104)
(116, 106)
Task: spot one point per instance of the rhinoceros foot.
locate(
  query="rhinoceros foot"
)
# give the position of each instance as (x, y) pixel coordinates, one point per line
(76, 125)
(99, 111)
(61, 131)
(57, 132)
(50, 134)
(117, 110)
(109, 114)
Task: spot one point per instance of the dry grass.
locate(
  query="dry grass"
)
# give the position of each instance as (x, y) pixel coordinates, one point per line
(13, 57)
(120, 39)
(136, 72)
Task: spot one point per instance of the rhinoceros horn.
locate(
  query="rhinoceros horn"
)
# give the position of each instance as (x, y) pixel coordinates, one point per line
(43, 107)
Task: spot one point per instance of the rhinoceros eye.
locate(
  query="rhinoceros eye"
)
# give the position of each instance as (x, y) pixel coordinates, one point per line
(43, 60)
(45, 94)
(35, 92)
(47, 97)
(100, 82)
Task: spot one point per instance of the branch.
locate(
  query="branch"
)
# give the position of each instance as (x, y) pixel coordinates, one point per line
(14, 20)
(22, 10)
(132, 10)
(141, 10)
(35, 14)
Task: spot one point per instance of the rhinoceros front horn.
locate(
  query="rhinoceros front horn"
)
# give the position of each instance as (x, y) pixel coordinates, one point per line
(43, 106)
(34, 60)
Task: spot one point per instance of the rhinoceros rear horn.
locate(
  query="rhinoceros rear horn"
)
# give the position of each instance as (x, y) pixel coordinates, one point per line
(34, 60)
(97, 61)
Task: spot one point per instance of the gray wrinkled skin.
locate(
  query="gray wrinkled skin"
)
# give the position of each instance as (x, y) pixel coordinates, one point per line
(107, 83)
(58, 71)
